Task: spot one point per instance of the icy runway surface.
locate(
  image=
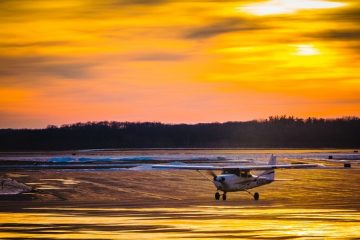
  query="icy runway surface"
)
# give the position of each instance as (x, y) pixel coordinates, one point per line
(122, 204)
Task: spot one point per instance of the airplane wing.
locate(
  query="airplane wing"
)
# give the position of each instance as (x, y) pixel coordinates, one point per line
(240, 167)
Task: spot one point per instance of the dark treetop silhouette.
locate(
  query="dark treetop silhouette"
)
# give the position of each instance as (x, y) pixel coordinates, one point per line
(275, 132)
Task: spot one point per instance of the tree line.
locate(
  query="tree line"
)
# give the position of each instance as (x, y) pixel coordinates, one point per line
(274, 132)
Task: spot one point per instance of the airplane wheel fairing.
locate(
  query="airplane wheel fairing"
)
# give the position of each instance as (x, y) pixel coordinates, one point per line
(217, 196)
(224, 197)
(256, 196)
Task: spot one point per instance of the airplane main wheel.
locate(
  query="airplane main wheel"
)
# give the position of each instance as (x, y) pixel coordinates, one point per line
(224, 197)
(256, 196)
(217, 196)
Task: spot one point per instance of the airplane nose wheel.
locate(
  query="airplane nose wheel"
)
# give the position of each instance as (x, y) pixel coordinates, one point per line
(217, 196)
(256, 196)
(224, 197)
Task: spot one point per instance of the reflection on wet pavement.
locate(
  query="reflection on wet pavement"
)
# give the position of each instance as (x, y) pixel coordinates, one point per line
(220, 222)
(63, 181)
(45, 183)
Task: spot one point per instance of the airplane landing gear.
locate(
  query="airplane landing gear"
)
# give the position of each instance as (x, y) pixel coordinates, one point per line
(256, 196)
(217, 196)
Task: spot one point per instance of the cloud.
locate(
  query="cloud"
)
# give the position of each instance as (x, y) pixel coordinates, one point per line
(36, 66)
(343, 18)
(33, 44)
(354, 100)
(221, 27)
(349, 36)
(156, 2)
(339, 35)
(158, 57)
(345, 15)
(139, 2)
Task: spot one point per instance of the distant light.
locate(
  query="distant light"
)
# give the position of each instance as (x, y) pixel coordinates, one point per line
(306, 50)
(272, 7)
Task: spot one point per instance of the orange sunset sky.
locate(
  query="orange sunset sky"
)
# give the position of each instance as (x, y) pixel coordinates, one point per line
(65, 61)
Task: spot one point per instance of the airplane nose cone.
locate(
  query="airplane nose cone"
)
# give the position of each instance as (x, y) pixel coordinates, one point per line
(219, 179)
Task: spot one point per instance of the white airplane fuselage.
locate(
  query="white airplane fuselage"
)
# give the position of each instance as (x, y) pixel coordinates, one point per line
(233, 183)
(236, 178)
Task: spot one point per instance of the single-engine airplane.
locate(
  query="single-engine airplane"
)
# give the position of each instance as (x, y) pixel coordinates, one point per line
(240, 178)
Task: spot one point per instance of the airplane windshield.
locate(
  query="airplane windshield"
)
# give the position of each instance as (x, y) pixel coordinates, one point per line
(237, 172)
(245, 174)
(232, 171)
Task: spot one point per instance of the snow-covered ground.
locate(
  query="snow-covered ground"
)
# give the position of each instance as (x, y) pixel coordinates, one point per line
(12, 187)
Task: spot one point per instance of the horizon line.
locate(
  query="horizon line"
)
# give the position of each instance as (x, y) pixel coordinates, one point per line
(183, 123)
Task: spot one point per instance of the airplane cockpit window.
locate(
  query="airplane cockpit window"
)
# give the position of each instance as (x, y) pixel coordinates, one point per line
(245, 174)
(232, 171)
(237, 172)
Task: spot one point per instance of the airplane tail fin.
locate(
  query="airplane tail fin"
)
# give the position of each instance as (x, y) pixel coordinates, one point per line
(272, 160)
(270, 174)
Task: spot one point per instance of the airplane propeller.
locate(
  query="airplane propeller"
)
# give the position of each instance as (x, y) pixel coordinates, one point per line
(212, 173)
(215, 177)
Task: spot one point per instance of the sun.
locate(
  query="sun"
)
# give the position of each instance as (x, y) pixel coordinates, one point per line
(306, 50)
(273, 7)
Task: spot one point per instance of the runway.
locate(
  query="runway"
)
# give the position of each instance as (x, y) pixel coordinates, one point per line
(316, 204)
